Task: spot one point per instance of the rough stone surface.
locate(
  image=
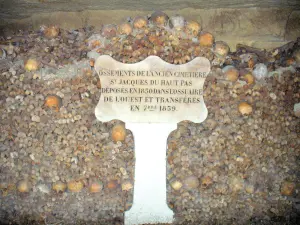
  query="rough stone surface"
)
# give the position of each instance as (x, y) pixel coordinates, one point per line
(22, 8)
(293, 25)
(265, 24)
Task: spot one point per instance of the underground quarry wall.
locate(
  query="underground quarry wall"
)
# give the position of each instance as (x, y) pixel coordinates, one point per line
(262, 24)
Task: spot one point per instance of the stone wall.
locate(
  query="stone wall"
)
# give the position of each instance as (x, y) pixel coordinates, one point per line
(264, 24)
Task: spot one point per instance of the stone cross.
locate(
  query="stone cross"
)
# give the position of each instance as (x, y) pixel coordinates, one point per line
(151, 97)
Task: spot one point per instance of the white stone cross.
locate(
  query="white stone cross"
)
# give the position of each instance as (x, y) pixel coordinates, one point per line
(151, 97)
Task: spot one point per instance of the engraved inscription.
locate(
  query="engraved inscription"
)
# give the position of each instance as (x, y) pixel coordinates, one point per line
(152, 90)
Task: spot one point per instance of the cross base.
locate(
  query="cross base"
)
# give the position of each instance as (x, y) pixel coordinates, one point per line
(150, 193)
